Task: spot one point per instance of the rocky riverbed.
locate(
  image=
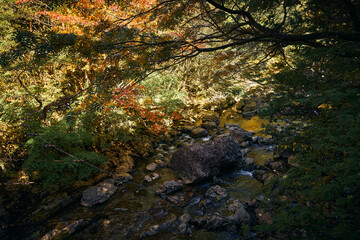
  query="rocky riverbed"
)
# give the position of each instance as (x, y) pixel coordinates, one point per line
(197, 183)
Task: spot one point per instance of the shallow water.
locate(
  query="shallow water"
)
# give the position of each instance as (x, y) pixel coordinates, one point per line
(260, 154)
(133, 210)
(255, 123)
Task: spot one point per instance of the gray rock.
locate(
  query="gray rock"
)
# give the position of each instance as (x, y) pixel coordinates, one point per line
(187, 128)
(255, 139)
(209, 125)
(217, 180)
(268, 162)
(151, 232)
(160, 163)
(248, 114)
(216, 192)
(185, 229)
(232, 127)
(240, 214)
(245, 151)
(199, 132)
(176, 199)
(185, 218)
(239, 135)
(155, 176)
(200, 161)
(97, 194)
(260, 175)
(245, 144)
(266, 140)
(122, 178)
(215, 222)
(151, 167)
(251, 133)
(170, 187)
(66, 231)
(249, 164)
(148, 179)
(194, 201)
(249, 161)
(211, 118)
(154, 229)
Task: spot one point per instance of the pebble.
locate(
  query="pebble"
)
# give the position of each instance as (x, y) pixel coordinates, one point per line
(151, 167)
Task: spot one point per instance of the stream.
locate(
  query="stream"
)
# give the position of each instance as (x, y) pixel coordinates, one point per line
(134, 212)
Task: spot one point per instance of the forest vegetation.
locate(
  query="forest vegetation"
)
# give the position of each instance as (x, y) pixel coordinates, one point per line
(92, 77)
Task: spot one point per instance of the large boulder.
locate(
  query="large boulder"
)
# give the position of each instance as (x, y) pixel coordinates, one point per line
(98, 194)
(200, 161)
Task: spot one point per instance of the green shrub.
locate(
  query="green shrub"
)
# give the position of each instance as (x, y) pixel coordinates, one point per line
(48, 159)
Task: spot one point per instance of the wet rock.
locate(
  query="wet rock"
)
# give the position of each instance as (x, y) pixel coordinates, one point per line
(185, 218)
(52, 234)
(217, 180)
(151, 167)
(246, 144)
(211, 118)
(154, 176)
(240, 214)
(278, 166)
(184, 226)
(199, 132)
(148, 179)
(98, 194)
(215, 222)
(255, 139)
(245, 151)
(160, 163)
(266, 140)
(200, 161)
(209, 125)
(161, 155)
(240, 135)
(249, 164)
(121, 178)
(66, 231)
(268, 162)
(151, 232)
(248, 114)
(187, 128)
(194, 201)
(251, 133)
(216, 192)
(260, 175)
(170, 187)
(172, 133)
(232, 127)
(121, 209)
(176, 199)
(185, 229)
